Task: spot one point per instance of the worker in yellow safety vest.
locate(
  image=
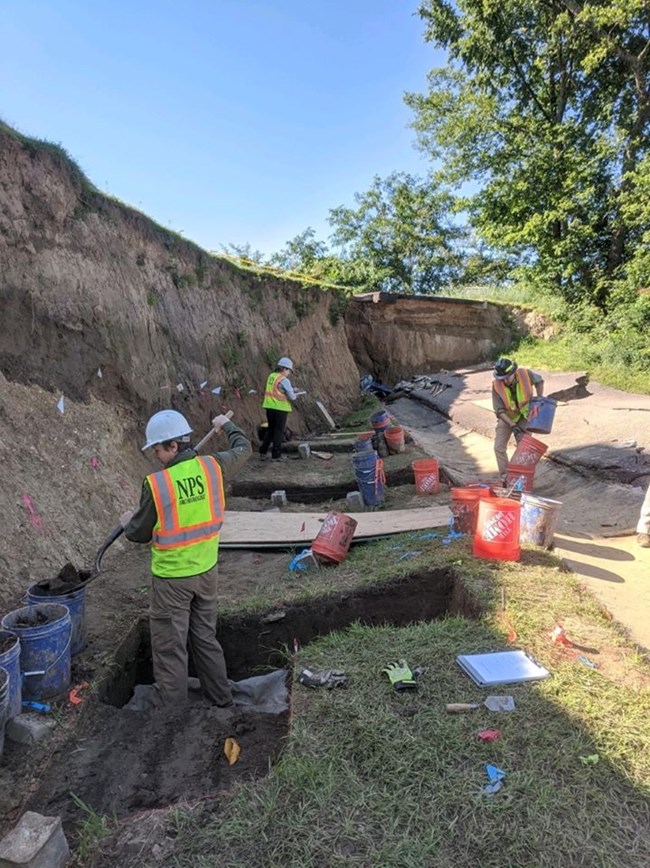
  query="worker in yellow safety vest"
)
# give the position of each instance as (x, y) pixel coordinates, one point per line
(278, 396)
(180, 514)
(512, 389)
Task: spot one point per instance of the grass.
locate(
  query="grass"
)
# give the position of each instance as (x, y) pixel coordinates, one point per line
(370, 777)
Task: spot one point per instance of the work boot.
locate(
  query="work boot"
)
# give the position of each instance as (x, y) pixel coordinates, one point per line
(264, 456)
(643, 540)
(280, 458)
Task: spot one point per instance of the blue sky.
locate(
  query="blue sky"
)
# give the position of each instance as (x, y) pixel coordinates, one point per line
(231, 121)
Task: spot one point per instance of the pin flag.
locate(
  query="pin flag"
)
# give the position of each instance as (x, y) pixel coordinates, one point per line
(99, 373)
(94, 462)
(302, 527)
(252, 391)
(216, 390)
(180, 387)
(34, 518)
(203, 384)
(61, 405)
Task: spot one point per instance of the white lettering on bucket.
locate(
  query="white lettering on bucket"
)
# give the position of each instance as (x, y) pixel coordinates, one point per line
(499, 527)
(428, 482)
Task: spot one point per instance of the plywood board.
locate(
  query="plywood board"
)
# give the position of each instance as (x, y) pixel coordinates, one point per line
(284, 529)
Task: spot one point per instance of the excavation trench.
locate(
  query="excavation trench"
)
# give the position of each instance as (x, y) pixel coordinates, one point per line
(119, 762)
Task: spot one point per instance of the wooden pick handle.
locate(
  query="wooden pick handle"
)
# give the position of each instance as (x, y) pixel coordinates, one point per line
(212, 431)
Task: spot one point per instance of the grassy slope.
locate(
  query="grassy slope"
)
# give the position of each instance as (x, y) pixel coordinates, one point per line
(362, 784)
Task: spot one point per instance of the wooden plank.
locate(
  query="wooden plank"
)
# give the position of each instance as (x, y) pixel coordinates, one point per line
(325, 414)
(284, 529)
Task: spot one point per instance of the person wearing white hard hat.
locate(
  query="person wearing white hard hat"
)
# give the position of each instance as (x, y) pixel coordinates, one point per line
(180, 514)
(278, 396)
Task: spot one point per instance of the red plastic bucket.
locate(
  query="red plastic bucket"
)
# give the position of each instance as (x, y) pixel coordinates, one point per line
(394, 438)
(427, 480)
(528, 451)
(334, 537)
(464, 508)
(515, 472)
(497, 529)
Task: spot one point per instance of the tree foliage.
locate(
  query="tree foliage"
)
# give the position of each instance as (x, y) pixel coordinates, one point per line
(544, 106)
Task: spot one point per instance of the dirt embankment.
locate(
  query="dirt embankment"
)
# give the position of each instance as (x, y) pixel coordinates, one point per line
(100, 305)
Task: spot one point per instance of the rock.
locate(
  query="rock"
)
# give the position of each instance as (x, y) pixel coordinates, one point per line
(354, 500)
(29, 728)
(36, 842)
(303, 450)
(279, 498)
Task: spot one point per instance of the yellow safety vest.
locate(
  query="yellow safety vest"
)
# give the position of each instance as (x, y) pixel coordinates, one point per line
(190, 504)
(274, 398)
(521, 406)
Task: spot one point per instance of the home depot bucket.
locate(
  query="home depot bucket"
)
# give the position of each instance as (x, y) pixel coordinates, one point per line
(497, 529)
(539, 517)
(10, 660)
(425, 471)
(394, 438)
(541, 415)
(528, 451)
(75, 603)
(380, 420)
(520, 477)
(334, 537)
(369, 472)
(4, 705)
(464, 508)
(45, 631)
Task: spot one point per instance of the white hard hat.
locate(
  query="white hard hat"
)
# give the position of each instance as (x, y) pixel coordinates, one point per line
(285, 363)
(165, 425)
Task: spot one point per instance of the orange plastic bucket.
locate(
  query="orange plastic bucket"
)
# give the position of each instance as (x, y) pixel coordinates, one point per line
(464, 508)
(427, 480)
(497, 529)
(528, 451)
(515, 472)
(394, 438)
(334, 537)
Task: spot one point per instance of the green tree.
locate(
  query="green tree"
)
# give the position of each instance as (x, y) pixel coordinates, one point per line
(403, 229)
(544, 106)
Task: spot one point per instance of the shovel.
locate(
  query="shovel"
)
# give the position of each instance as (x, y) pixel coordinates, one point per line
(70, 579)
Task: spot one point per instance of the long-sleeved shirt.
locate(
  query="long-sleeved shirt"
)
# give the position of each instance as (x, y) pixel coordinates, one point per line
(286, 387)
(141, 526)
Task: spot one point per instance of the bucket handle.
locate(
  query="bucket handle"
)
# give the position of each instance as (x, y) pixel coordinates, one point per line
(52, 665)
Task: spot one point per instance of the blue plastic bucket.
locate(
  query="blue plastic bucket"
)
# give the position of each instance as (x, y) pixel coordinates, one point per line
(380, 420)
(4, 705)
(539, 517)
(75, 603)
(541, 415)
(10, 660)
(45, 631)
(363, 444)
(369, 481)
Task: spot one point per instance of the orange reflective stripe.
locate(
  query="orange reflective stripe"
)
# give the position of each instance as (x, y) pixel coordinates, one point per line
(214, 480)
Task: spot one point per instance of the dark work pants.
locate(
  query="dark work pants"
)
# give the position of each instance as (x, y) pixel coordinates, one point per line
(277, 420)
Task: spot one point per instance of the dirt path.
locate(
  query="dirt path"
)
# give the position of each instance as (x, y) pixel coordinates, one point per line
(595, 530)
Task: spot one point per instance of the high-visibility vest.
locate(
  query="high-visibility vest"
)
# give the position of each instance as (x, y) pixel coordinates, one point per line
(274, 398)
(521, 406)
(190, 504)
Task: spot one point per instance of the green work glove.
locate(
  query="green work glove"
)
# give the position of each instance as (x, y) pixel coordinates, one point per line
(400, 675)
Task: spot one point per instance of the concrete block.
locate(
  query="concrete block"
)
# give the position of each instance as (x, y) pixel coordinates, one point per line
(29, 728)
(36, 842)
(304, 450)
(355, 500)
(279, 498)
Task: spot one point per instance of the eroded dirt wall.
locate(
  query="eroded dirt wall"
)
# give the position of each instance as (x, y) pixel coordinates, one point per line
(104, 307)
(396, 337)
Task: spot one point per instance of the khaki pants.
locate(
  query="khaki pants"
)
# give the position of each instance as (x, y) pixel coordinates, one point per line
(502, 435)
(182, 610)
